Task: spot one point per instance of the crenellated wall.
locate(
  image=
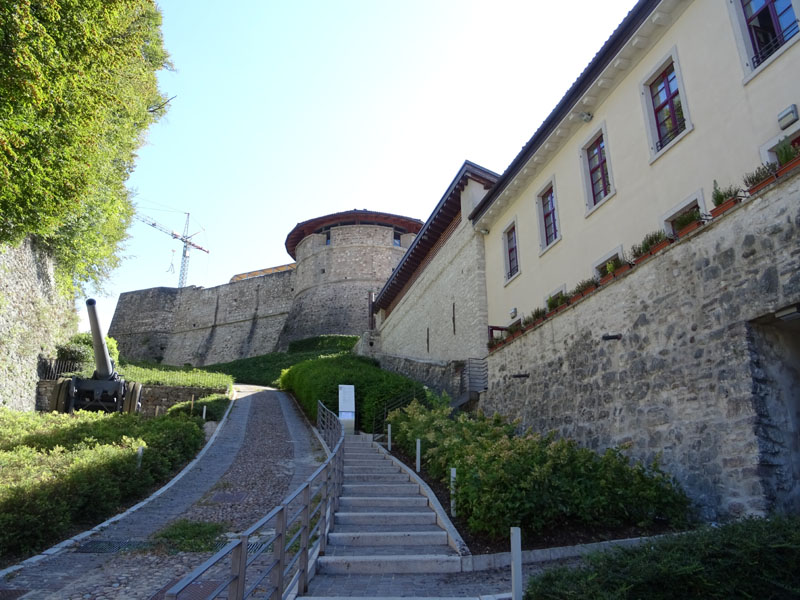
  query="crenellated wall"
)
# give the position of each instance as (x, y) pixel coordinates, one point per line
(704, 376)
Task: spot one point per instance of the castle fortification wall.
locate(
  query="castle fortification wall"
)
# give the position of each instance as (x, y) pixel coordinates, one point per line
(704, 376)
(202, 326)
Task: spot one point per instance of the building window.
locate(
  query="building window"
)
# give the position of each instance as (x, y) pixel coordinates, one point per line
(667, 106)
(328, 237)
(770, 23)
(599, 180)
(549, 221)
(512, 259)
(398, 241)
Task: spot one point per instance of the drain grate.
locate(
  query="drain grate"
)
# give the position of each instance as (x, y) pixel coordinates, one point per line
(12, 594)
(112, 546)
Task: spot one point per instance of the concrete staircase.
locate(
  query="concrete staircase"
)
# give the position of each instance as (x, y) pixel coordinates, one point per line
(384, 523)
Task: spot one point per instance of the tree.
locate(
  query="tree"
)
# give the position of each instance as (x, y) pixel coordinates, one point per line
(77, 92)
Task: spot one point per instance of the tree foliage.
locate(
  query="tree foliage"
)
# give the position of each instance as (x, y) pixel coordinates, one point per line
(77, 91)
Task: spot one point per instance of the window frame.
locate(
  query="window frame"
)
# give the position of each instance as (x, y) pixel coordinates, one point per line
(601, 262)
(696, 198)
(508, 276)
(591, 206)
(544, 245)
(744, 42)
(649, 108)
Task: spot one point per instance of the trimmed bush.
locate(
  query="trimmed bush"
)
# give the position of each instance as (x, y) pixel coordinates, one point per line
(80, 349)
(754, 558)
(319, 379)
(216, 405)
(535, 482)
(60, 471)
(328, 343)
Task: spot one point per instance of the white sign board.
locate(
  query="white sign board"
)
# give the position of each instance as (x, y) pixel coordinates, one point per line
(347, 407)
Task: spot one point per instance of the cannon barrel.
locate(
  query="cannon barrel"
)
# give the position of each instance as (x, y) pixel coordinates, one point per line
(104, 369)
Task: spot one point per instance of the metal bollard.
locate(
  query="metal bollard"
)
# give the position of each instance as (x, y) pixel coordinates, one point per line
(516, 564)
(452, 491)
(418, 452)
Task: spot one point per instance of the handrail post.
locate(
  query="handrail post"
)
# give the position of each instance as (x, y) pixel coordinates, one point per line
(302, 584)
(279, 551)
(324, 492)
(238, 569)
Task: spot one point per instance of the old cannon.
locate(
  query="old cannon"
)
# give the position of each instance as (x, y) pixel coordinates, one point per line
(105, 390)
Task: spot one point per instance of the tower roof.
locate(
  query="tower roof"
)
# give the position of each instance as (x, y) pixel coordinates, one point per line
(350, 217)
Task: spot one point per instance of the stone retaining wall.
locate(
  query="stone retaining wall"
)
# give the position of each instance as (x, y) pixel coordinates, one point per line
(33, 319)
(704, 377)
(154, 397)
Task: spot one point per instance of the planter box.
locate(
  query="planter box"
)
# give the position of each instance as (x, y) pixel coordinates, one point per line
(560, 308)
(760, 185)
(575, 298)
(660, 246)
(642, 258)
(795, 162)
(606, 278)
(623, 269)
(689, 228)
(726, 206)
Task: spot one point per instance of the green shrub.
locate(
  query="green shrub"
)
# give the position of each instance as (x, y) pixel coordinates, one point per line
(216, 405)
(327, 343)
(60, 471)
(651, 239)
(556, 300)
(754, 558)
(537, 483)
(760, 174)
(319, 379)
(80, 349)
(720, 195)
(582, 286)
(686, 219)
(785, 151)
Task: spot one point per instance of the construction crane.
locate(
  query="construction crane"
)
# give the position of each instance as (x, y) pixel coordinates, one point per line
(188, 244)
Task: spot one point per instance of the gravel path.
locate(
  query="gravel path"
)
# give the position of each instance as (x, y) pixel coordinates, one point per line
(244, 474)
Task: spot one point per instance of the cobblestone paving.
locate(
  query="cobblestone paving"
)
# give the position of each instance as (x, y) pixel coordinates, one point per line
(262, 469)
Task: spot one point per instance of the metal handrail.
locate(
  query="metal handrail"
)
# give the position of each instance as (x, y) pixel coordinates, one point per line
(239, 575)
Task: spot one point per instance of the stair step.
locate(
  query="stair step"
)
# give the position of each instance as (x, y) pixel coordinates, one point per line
(380, 489)
(424, 563)
(388, 538)
(379, 469)
(376, 478)
(385, 527)
(383, 501)
(380, 507)
(388, 518)
(367, 462)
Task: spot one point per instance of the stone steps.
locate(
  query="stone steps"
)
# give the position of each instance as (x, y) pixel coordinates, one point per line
(383, 524)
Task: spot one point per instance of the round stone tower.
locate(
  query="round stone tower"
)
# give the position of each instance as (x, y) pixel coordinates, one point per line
(342, 259)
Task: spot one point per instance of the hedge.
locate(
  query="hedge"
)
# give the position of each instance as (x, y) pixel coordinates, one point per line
(536, 482)
(60, 471)
(319, 379)
(753, 558)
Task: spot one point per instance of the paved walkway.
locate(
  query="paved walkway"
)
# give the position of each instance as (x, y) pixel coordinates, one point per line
(75, 573)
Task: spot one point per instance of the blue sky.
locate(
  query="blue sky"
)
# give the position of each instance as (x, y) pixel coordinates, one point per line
(289, 110)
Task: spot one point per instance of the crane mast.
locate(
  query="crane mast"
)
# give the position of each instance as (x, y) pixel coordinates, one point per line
(188, 244)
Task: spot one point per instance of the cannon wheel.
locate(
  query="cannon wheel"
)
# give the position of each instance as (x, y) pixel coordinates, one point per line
(133, 394)
(58, 397)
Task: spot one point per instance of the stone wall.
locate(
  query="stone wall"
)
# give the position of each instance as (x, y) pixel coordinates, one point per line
(704, 376)
(33, 319)
(154, 398)
(203, 326)
(443, 315)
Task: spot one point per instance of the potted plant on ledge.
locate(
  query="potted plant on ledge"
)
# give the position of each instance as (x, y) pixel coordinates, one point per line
(533, 319)
(583, 288)
(788, 156)
(556, 302)
(761, 177)
(684, 224)
(724, 198)
(652, 243)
